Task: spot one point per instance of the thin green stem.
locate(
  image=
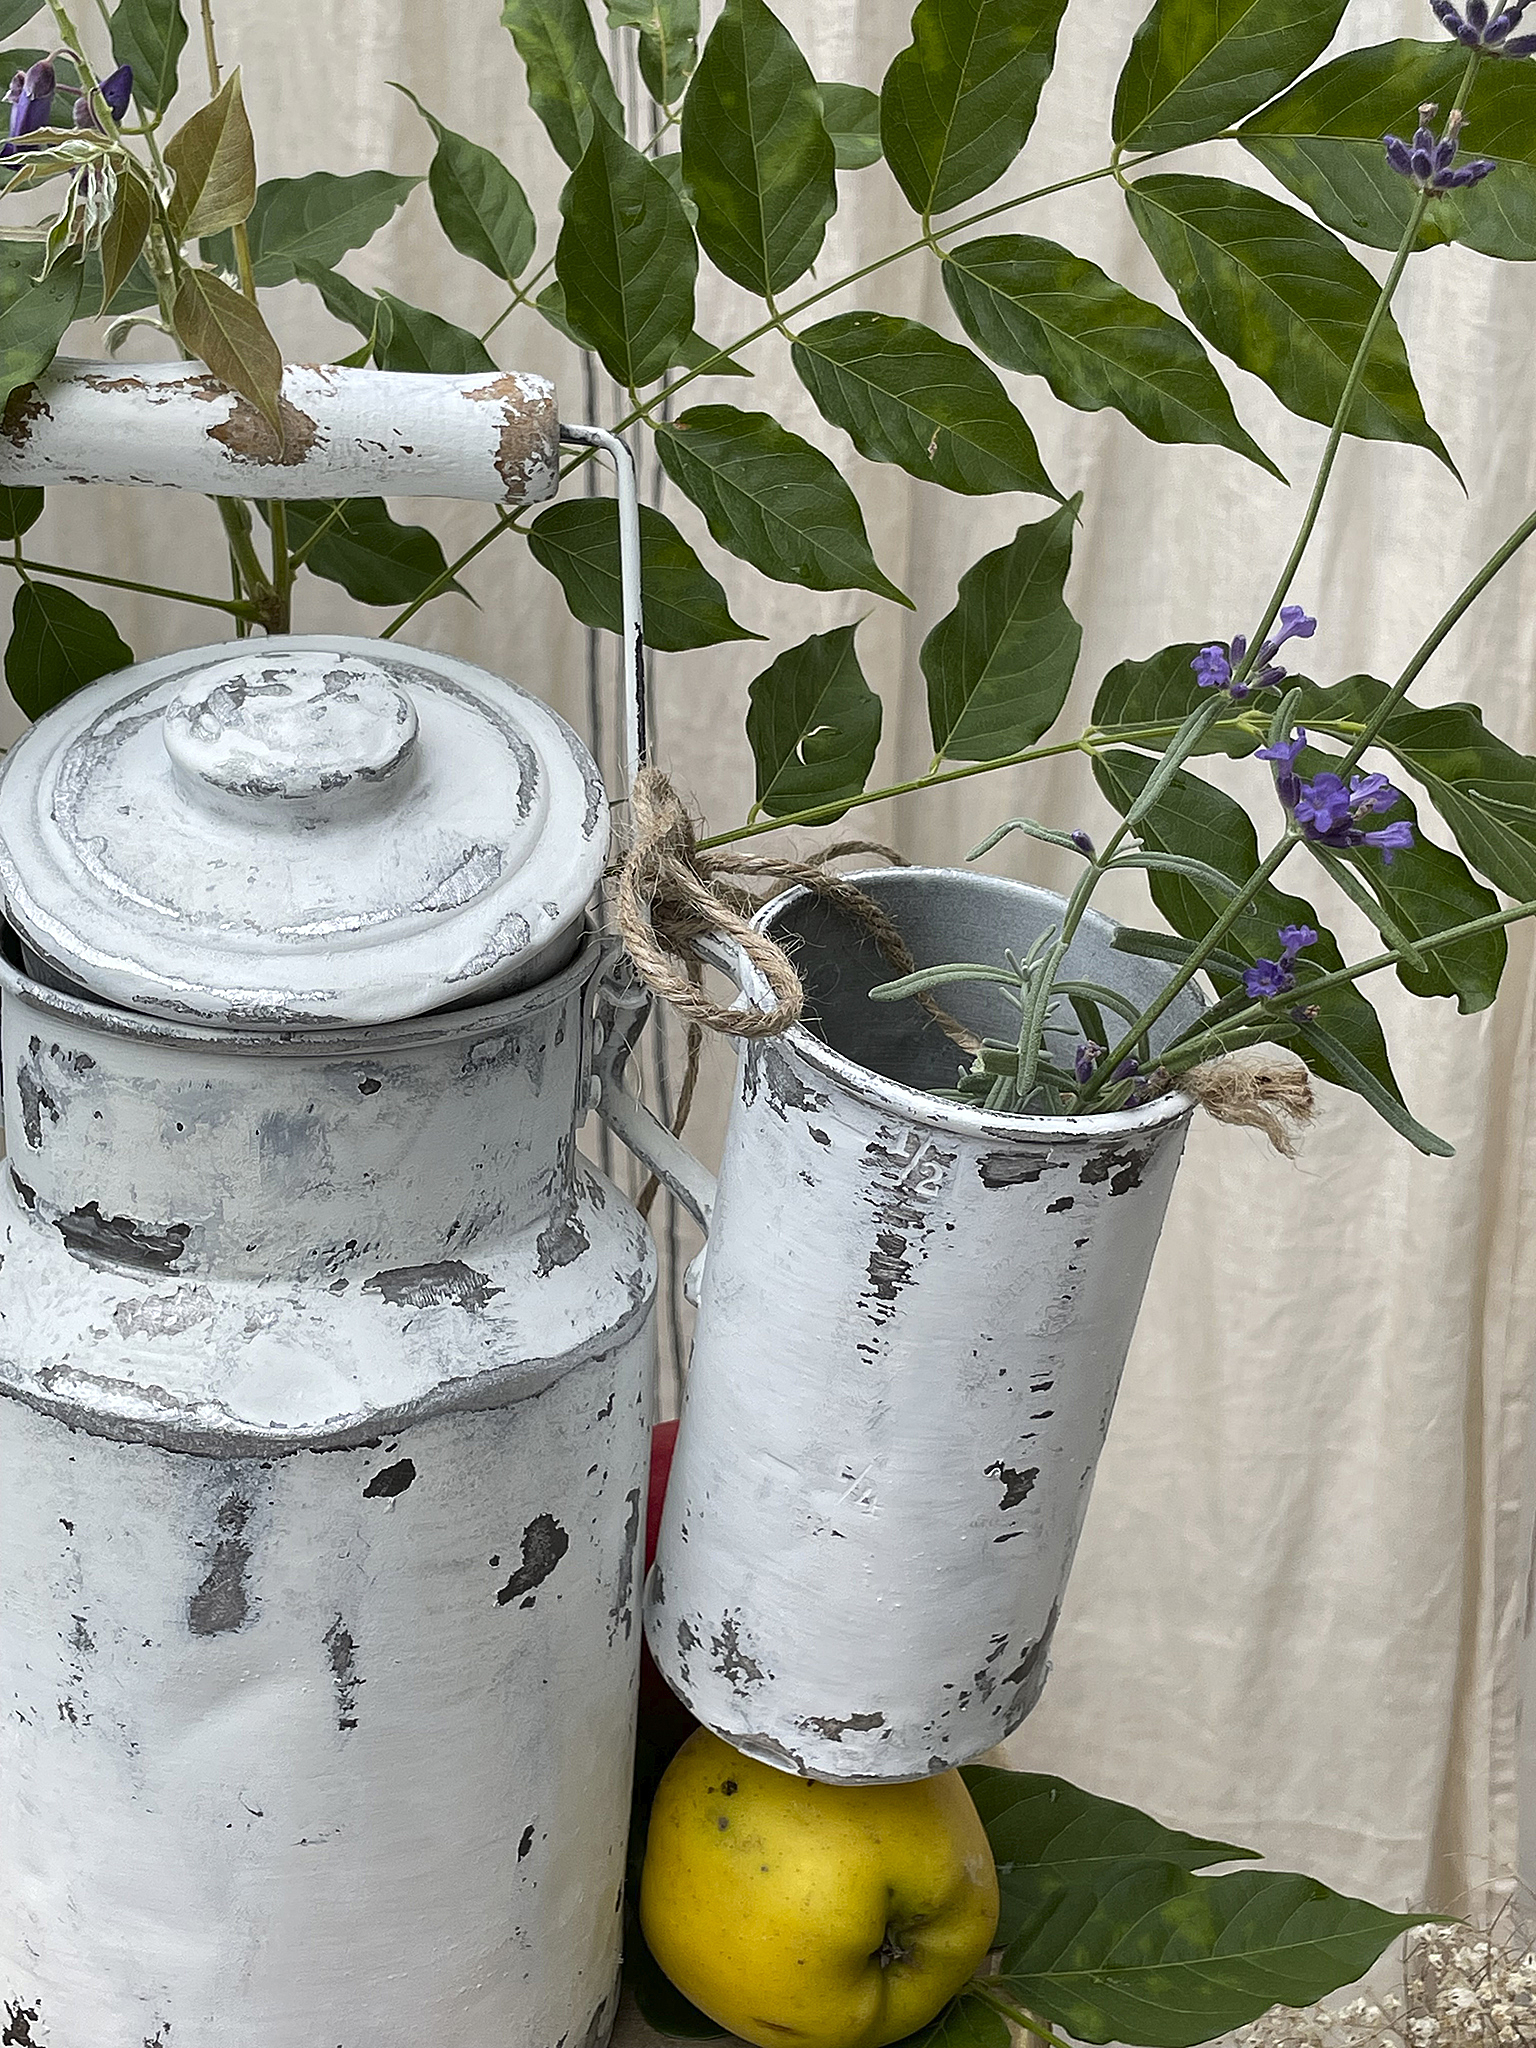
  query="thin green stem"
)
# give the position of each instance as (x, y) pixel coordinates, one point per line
(1319, 984)
(522, 295)
(282, 566)
(300, 555)
(981, 1989)
(235, 517)
(1232, 911)
(505, 523)
(826, 814)
(1335, 437)
(1430, 645)
(71, 38)
(210, 48)
(218, 604)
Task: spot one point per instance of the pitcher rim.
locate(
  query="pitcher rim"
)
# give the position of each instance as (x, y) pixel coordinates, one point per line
(916, 1104)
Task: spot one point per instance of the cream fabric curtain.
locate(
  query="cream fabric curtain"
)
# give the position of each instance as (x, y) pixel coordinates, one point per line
(1298, 1610)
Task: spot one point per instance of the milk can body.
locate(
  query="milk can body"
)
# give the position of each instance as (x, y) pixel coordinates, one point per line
(326, 1373)
(913, 1321)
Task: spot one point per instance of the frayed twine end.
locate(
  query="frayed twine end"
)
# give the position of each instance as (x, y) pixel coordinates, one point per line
(1267, 1094)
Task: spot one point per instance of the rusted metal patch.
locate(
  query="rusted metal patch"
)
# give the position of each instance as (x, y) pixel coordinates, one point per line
(120, 1240)
(222, 1604)
(23, 409)
(446, 1283)
(247, 434)
(345, 1677)
(544, 1543)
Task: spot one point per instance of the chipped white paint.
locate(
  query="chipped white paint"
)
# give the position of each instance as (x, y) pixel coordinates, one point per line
(325, 1383)
(913, 1323)
(300, 830)
(346, 433)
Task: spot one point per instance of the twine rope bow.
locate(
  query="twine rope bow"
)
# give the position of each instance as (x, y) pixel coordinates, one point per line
(671, 892)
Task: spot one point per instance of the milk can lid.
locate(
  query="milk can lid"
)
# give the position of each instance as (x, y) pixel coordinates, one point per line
(300, 831)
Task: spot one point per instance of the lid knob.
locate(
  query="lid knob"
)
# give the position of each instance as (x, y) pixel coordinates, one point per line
(310, 730)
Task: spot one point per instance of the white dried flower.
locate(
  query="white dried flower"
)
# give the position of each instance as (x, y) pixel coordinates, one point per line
(1473, 1989)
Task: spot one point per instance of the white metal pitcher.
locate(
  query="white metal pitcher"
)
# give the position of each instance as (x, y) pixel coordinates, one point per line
(911, 1331)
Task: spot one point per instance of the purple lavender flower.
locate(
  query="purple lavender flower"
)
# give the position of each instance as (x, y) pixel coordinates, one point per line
(1266, 978)
(31, 98)
(1429, 162)
(1389, 839)
(1329, 811)
(1214, 666)
(1478, 32)
(1213, 671)
(1086, 1058)
(1128, 1066)
(1083, 843)
(116, 90)
(1287, 781)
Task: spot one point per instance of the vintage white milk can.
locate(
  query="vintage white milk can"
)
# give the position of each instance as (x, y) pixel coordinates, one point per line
(913, 1321)
(328, 1366)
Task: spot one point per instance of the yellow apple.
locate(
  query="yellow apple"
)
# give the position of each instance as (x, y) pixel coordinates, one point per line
(828, 1916)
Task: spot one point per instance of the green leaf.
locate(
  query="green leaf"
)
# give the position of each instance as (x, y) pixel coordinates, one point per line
(1164, 1958)
(1196, 66)
(58, 644)
(1284, 299)
(1195, 818)
(1000, 664)
(373, 557)
(966, 2022)
(626, 260)
(225, 330)
(772, 499)
(15, 14)
(692, 351)
(123, 238)
(813, 726)
(904, 394)
(302, 224)
(34, 312)
(569, 85)
(481, 207)
(419, 340)
(348, 302)
(1483, 789)
(137, 290)
(1048, 1836)
(1323, 140)
(669, 42)
(20, 510)
(851, 116)
(756, 156)
(214, 158)
(1035, 307)
(1329, 1055)
(958, 103)
(682, 605)
(1162, 691)
(150, 35)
